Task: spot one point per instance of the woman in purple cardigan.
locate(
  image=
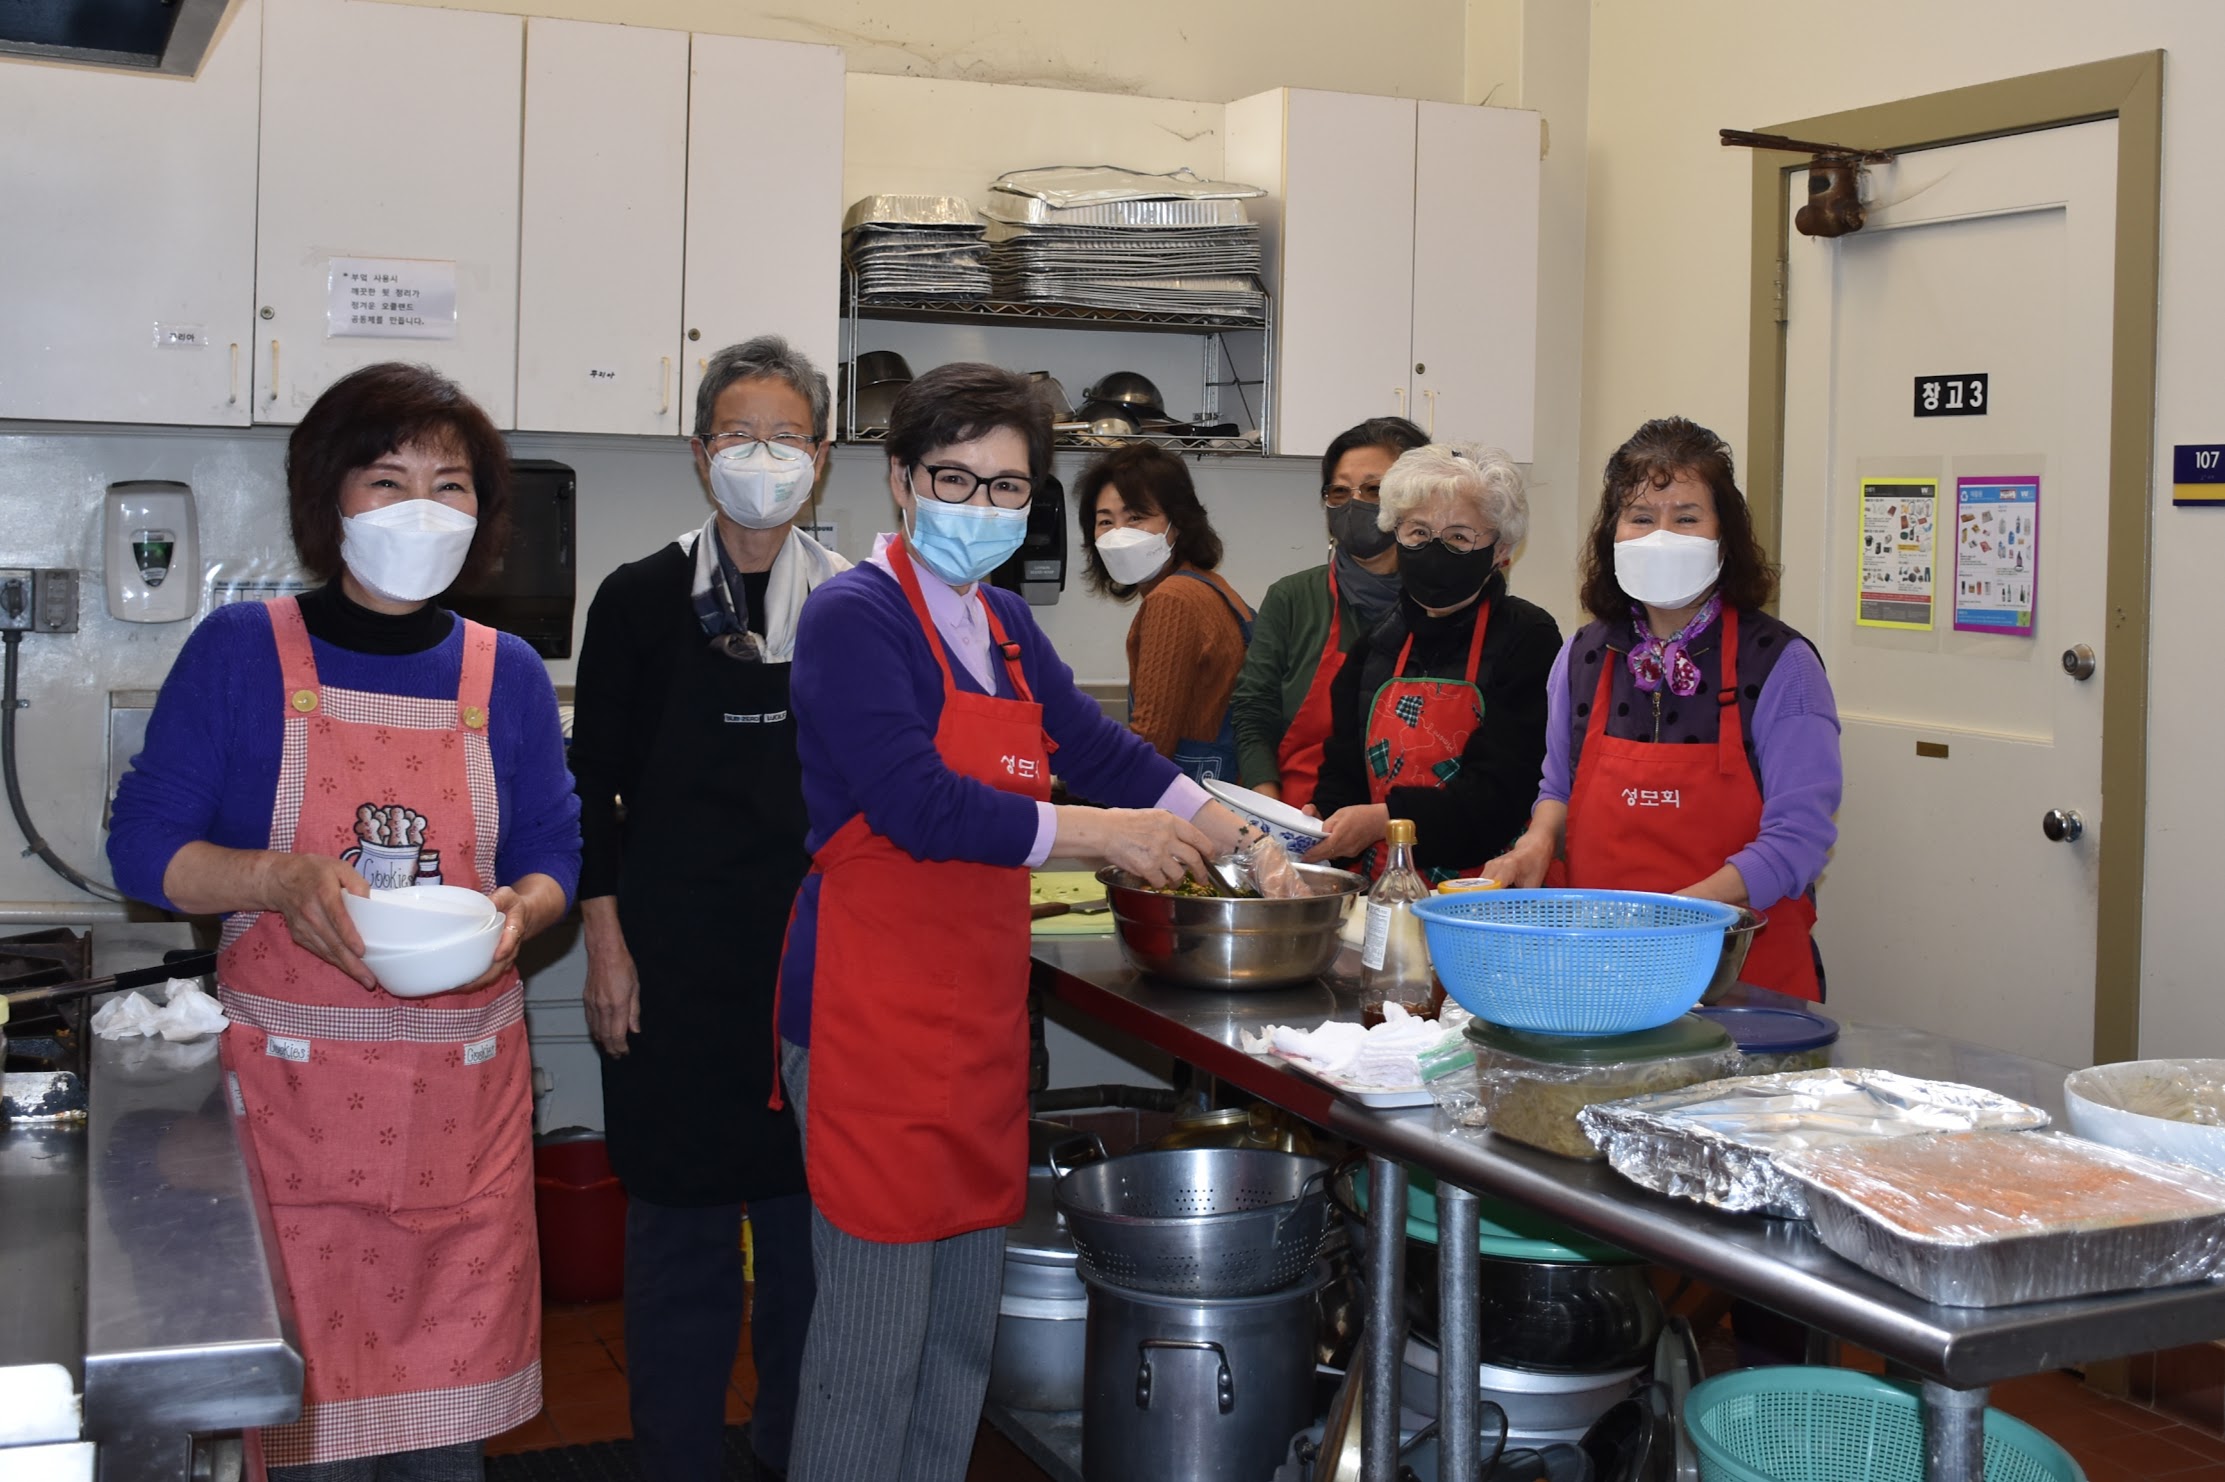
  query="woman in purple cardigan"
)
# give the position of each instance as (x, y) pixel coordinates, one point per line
(1692, 742)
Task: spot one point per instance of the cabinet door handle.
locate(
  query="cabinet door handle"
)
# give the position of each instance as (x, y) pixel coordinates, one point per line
(1400, 393)
(231, 381)
(274, 370)
(664, 386)
(1430, 426)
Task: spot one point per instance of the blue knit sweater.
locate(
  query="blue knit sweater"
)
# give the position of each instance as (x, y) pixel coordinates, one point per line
(210, 767)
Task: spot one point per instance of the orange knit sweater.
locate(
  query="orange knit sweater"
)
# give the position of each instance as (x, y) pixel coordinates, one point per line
(1184, 650)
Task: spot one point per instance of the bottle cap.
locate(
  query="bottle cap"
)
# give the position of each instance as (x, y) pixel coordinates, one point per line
(1401, 831)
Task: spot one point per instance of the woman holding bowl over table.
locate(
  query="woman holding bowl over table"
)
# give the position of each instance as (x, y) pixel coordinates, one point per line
(1693, 742)
(1438, 714)
(1309, 620)
(1146, 538)
(929, 708)
(362, 723)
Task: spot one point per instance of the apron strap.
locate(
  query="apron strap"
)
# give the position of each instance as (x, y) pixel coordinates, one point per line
(476, 683)
(1730, 727)
(1336, 612)
(900, 562)
(298, 688)
(1243, 623)
(1475, 644)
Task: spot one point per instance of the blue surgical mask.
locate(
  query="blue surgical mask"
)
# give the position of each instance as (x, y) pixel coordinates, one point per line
(962, 543)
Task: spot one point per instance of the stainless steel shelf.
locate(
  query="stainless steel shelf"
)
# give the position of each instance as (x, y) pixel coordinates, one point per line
(1091, 441)
(1030, 311)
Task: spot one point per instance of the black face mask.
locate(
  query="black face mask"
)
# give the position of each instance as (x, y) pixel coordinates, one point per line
(1352, 526)
(1439, 577)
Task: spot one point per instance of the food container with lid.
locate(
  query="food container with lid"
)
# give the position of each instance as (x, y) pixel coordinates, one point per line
(1773, 1040)
(1532, 1085)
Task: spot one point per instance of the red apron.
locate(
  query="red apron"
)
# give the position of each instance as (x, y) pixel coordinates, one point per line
(395, 1134)
(1671, 813)
(916, 1126)
(1417, 728)
(1298, 759)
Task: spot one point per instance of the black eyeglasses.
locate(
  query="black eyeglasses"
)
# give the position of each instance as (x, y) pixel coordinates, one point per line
(954, 485)
(1337, 496)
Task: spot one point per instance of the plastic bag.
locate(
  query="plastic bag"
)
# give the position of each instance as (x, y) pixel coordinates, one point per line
(1263, 864)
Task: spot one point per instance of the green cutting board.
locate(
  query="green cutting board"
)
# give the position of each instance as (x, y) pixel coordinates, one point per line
(1074, 887)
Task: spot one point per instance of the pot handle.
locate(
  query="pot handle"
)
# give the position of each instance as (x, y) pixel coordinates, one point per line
(1315, 1186)
(1088, 1142)
(1224, 1382)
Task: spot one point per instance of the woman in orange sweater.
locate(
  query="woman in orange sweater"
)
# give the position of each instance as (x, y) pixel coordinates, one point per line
(1145, 535)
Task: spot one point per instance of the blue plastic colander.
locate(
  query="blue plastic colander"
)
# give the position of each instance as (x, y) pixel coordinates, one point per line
(1833, 1425)
(1574, 961)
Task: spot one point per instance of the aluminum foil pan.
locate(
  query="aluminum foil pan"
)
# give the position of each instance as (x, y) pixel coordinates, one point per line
(894, 210)
(1986, 1219)
(1085, 185)
(1718, 1142)
(1117, 215)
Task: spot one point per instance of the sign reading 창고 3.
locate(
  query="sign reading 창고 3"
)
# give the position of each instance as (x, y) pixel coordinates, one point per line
(2198, 473)
(390, 298)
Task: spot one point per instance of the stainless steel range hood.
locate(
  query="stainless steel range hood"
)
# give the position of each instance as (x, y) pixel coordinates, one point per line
(168, 36)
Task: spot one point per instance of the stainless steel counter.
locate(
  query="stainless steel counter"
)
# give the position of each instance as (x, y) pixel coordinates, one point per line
(138, 1254)
(1777, 1264)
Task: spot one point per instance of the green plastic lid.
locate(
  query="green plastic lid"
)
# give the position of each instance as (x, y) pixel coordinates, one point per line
(1506, 1231)
(1689, 1035)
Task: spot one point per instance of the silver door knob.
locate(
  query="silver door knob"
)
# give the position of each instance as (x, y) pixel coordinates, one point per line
(2063, 825)
(2078, 661)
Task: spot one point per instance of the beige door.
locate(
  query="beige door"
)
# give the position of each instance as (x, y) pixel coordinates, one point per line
(1947, 905)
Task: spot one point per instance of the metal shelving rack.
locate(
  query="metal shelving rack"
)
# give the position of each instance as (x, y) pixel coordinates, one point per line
(1219, 368)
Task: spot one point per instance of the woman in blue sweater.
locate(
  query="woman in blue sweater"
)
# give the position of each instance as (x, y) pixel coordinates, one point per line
(300, 751)
(928, 710)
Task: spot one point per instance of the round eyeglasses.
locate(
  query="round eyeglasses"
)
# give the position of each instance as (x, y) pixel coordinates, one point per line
(1458, 539)
(954, 485)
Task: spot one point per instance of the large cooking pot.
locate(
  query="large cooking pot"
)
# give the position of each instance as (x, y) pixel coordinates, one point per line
(1549, 1299)
(1043, 1309)
(1209, 1389)
(1211, 941)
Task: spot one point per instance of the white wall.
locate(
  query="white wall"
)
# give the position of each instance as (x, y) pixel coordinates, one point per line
(1665, 315)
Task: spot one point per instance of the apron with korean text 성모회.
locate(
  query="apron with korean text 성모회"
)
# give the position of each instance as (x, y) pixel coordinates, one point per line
(916, 1126)
(394, 1135)
(1659, 815)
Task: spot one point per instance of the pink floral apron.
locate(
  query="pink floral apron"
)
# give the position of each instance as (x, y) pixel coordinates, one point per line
(395, 1135)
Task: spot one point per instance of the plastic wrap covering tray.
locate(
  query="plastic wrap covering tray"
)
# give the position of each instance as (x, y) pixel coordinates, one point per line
(1718, 1142)
(1986, 1219)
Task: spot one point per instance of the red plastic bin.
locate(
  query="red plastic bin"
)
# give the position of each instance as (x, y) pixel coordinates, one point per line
(581, 1209)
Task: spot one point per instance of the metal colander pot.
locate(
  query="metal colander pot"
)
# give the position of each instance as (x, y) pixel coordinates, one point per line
(1197, 1222)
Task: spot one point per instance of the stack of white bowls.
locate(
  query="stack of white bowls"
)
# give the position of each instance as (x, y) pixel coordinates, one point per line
(426, 939)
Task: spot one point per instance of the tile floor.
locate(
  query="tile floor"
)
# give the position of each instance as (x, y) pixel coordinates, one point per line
(583, 1362)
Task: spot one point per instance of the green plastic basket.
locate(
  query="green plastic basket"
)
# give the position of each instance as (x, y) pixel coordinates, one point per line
(1798, 1424)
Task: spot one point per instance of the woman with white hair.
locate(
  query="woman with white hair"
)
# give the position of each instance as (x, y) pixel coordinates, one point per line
(1438, 716)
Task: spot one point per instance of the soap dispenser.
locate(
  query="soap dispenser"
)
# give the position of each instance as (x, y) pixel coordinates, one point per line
(151, 548)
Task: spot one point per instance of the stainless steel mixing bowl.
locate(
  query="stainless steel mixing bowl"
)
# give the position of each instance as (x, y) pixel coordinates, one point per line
(1220, 942)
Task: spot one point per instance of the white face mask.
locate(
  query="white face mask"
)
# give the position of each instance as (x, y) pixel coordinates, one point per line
(1132, 556)
(406, 552)
(1665, 569)
(761, 485)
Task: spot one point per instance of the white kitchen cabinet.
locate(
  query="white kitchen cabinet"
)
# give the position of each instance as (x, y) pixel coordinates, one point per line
(602, 218)
(764, 210)
(128, 235)
(1401, 246)
(389, 132)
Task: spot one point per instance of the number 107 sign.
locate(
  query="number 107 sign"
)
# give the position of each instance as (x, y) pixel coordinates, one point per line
(2198, 473)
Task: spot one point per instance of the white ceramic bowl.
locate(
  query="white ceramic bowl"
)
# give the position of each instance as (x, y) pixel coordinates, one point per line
(1297, 832)
(418, 916)
(442, 968)
(2142, 1106)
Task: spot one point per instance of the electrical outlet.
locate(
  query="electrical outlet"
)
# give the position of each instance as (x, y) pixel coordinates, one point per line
(54, 600)
(15, 597)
